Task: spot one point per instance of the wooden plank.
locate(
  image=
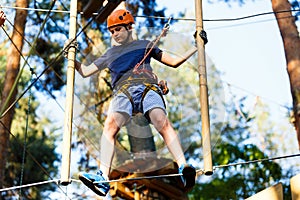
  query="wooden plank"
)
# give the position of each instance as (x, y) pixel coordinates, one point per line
(169, 187)
(147, 165)
(295, 187)
(118, 189)
(170, 191)
(274, 192)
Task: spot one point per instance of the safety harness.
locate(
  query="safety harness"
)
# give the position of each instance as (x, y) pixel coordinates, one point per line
(145, 77)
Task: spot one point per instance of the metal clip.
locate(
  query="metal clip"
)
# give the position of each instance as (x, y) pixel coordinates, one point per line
(167, 25)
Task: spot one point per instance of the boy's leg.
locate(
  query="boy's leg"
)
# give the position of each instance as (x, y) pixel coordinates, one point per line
(113, 124)
(164, 127)
(96, 182)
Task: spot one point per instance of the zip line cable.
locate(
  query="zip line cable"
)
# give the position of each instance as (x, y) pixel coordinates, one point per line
(256, 161)
(30, 185)
(199, 171)
(34, 9)
(224, 19)
(157, 17)
(253, 94)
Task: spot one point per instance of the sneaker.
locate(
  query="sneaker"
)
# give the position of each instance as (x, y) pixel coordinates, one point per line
(188, 176)
(96, 182)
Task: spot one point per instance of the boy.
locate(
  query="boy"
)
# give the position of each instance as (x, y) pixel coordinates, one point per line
(129, 82)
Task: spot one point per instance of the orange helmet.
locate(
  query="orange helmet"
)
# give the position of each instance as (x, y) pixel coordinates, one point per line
(119, 17)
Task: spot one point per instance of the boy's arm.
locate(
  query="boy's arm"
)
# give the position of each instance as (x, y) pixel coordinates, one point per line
(175, 62)
(84, 70)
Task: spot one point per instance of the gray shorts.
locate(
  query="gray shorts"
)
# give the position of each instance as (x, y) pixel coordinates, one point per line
(121, 103)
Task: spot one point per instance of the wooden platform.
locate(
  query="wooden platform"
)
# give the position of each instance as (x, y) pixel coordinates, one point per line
(154, 188)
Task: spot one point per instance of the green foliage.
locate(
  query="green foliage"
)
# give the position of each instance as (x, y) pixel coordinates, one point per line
(242, 169)
(39, 156)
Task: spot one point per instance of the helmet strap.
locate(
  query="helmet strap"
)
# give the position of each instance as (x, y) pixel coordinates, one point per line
(128, 28)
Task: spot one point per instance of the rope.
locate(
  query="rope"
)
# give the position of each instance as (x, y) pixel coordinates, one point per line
(34, 9)
(47, 63)
(136, 69)
(200, 171)
(255, 161)
(25, 137)
(29, 185)
(140, 178)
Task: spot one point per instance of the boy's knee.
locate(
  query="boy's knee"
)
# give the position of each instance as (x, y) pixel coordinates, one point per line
(158, 118)
(115, 120)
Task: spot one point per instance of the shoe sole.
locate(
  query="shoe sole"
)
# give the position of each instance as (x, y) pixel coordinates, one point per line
(91, 185)
(189, 174)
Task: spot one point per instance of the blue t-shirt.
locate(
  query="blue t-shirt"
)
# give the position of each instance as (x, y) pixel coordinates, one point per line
(121, 60)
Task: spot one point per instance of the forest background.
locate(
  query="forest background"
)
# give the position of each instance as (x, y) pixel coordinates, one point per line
(249, 110)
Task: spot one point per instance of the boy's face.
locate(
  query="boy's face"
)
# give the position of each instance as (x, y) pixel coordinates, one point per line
(119, 34)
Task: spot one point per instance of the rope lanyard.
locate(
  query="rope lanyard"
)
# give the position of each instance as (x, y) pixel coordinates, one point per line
(136, 69)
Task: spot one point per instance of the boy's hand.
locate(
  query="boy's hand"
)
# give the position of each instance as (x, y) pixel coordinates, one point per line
(68, 44)
(2, 18)
(203, 36)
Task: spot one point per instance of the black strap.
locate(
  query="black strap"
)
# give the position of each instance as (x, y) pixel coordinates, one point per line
(149, 86)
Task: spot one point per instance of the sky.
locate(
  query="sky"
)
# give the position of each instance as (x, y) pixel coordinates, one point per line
(249, 52)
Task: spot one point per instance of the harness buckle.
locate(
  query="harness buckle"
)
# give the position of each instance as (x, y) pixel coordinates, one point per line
(164, 87)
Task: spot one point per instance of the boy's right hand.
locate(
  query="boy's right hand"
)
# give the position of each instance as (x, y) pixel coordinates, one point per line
(68, 44)
(2, 17)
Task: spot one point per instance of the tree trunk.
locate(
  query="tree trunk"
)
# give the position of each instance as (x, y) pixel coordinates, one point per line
(12, 69)
(291, 42)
